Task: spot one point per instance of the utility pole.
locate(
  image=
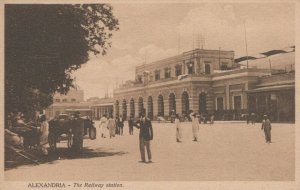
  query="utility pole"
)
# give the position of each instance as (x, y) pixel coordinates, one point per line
(246, 44)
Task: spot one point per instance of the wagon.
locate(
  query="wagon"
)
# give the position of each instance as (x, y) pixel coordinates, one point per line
(64, 125)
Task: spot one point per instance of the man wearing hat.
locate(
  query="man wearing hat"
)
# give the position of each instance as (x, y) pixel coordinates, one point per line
(78, 130)
(266, 126)
(146, 135)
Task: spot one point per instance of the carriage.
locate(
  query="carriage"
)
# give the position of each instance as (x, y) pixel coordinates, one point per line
(64, 125)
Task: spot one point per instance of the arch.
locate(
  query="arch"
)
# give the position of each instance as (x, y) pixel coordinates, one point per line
(160, 102)
(172, 104)
(132, 107)
(117, 108)
(202, 103)
(185, 103)
(124, 109)
(150, 107)
(140, 105)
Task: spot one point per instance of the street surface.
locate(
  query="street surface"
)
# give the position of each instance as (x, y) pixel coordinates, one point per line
(225, 151)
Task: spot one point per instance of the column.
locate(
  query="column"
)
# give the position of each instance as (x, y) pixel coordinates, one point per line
(210, 106)
(193, 101)
(166, 106)
(155, 106)
(227, 97)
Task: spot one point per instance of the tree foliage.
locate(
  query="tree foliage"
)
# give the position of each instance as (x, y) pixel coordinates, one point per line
(44, 44)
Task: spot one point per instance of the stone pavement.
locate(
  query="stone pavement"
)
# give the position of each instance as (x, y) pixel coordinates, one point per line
(225, 152)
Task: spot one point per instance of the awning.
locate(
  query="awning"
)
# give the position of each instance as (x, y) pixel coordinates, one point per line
(272, 88)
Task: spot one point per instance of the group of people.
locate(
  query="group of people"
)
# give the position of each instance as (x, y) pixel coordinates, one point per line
(27, 134)
(195, 127)
(266, 126)
(144, 124)
(114, 126)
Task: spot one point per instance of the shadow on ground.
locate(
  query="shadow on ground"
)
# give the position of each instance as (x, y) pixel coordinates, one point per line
(61, 153)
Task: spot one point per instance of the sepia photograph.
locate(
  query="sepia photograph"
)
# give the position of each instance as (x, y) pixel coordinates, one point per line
(115, 95)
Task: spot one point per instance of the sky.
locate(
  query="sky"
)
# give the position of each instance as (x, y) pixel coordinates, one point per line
(150, 32)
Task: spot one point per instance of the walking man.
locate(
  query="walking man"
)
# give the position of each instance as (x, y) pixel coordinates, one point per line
(121, 125)
(195, 126)
(146, 135)
(78, 131)
(111, 125)
(266, 126)
(130, 124)
(103, 125)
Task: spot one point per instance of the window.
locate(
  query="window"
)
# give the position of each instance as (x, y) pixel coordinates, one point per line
(207, 69)
(139, 78)
(57, 100)
(73, 100)
(167, 73)
(178, 70)
(190, 67)
(237, 100)
(220, 103)
(157, 75)
(224, 66)
(64, 100)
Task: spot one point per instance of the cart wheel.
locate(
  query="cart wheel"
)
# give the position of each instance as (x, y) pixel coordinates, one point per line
(52, 141)
(92, 133)
(70, 139)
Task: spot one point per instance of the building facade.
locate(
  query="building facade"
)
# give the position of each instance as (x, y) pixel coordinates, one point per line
(205, 81)
(68, 104)
(104, 106)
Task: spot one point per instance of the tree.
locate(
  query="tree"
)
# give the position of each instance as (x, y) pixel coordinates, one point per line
(44, 44)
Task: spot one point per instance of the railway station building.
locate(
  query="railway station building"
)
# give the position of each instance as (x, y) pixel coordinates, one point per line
(207, 82)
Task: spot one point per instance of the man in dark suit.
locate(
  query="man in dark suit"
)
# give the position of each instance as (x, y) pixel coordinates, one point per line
(78, 131)
(146, 135)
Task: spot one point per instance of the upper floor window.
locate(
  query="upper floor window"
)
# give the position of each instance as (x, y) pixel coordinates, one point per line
(157, 75)
(57, 100)
(178, 70)
(139, 78)
(207, 69)
(64, 100)
(224, 66)
(167, 73)
(73, 100)
(190, 67)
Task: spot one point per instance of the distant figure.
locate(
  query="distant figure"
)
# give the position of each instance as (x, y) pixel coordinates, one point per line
(248, 118)
(195, 126)
(253, 118)
(146, 135)
(111, 126)
(266, 126)
(178, 128)
(43, 138)
(212, 119)
(78, 132)
(103, 125)
(130, 125)
(120, 125)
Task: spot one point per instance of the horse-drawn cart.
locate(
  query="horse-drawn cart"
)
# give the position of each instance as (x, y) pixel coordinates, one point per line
(64, 125)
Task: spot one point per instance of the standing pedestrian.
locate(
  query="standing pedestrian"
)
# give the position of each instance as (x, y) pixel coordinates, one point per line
(111, 126)
(178, 128)
(195, 126)
(146, 135)
(78, 131)
(121, 125)
(103, 125)
(253, 118)
(212, 119)
(43, 137)
(130, 125)
(266, 126)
